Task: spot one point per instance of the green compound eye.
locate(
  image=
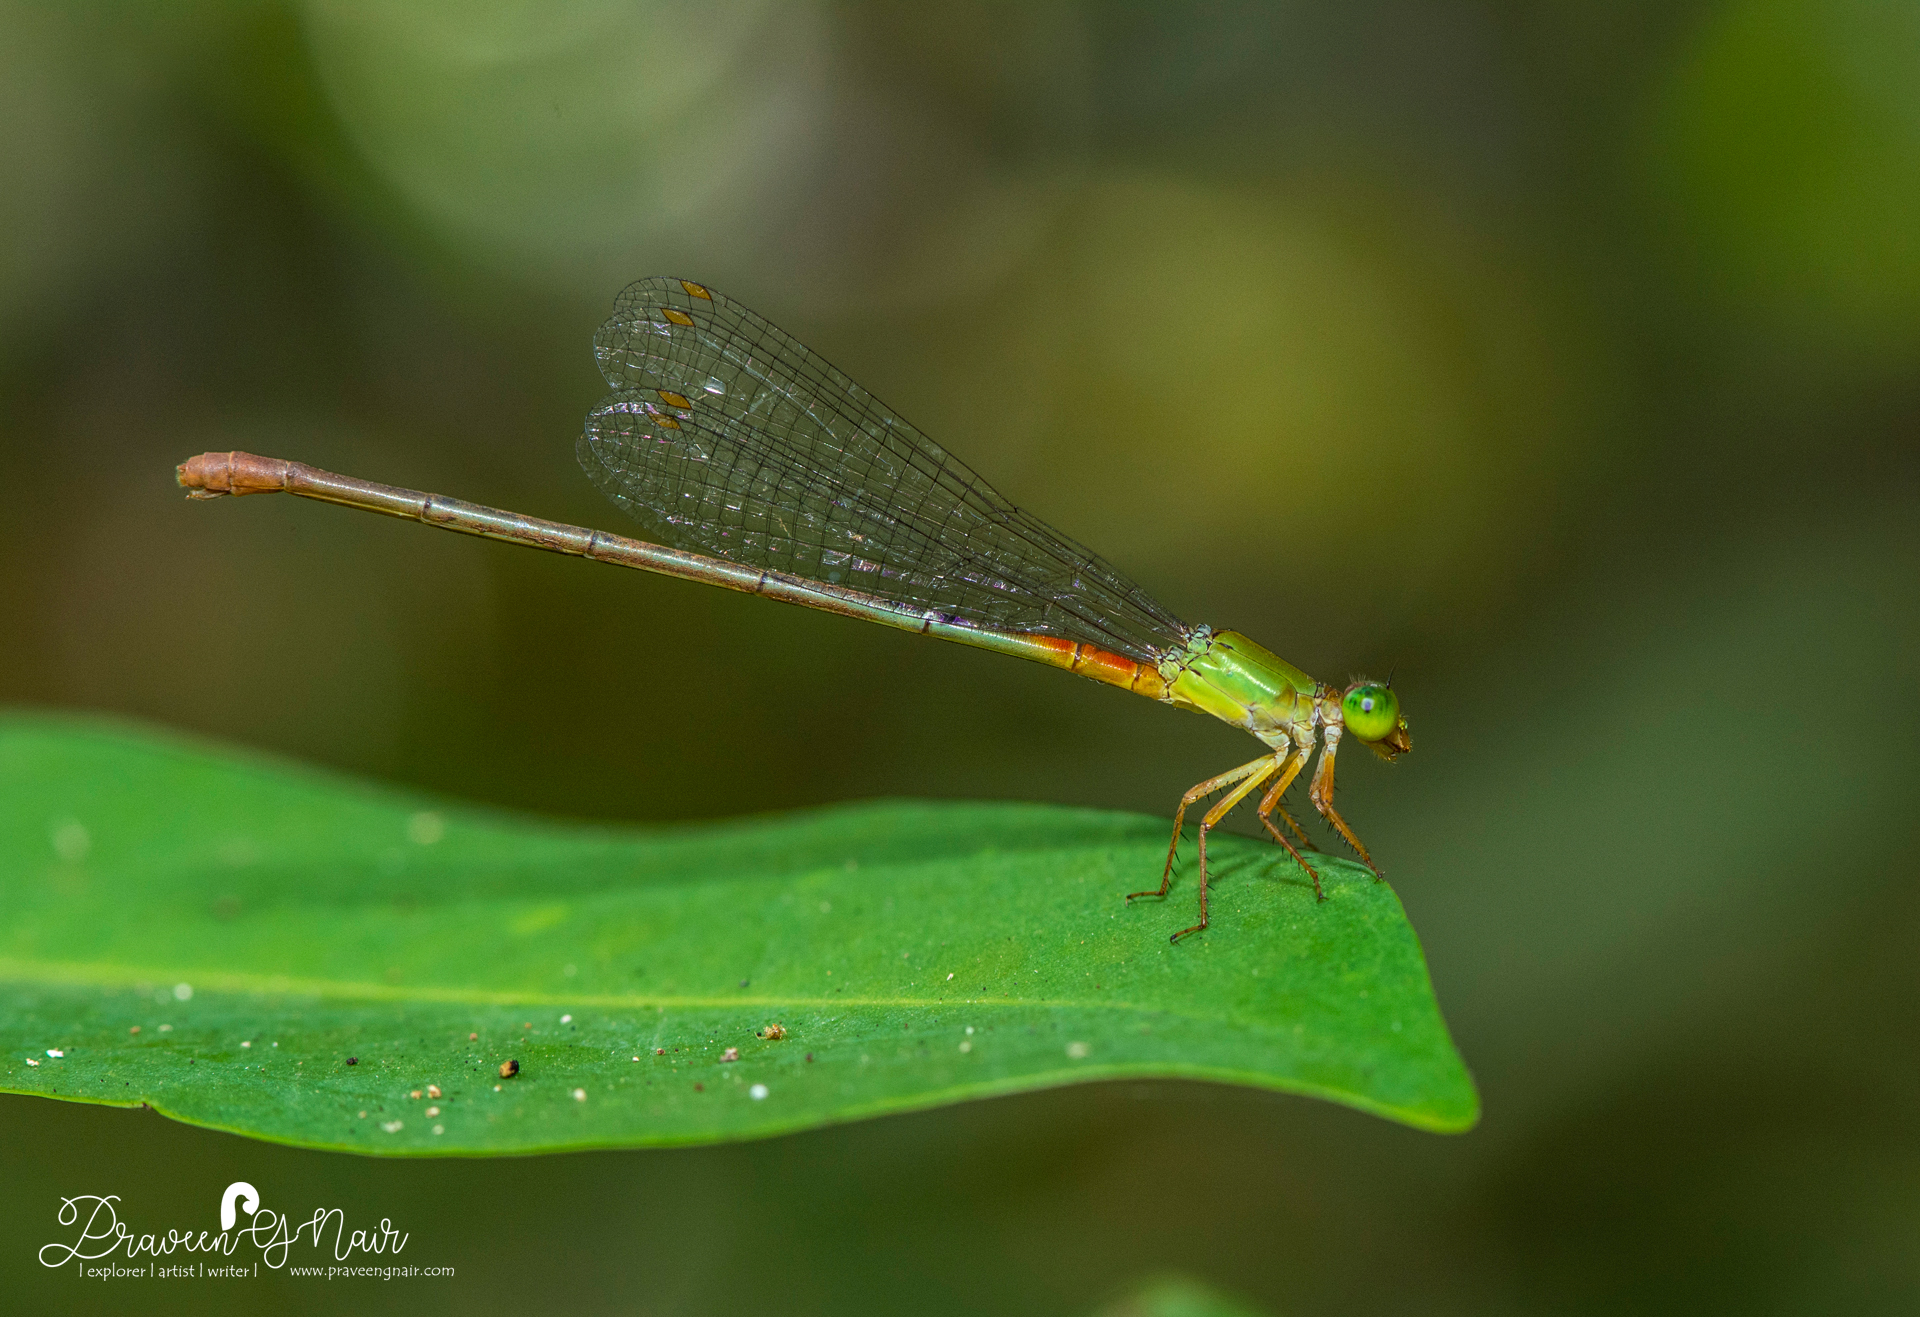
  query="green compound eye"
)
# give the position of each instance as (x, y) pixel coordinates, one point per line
(1370, 712)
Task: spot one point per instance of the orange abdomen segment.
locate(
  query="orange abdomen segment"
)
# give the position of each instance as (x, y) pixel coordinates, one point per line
(1088, 660)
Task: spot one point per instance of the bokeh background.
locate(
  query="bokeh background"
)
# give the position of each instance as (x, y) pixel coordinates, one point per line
(1563, 358)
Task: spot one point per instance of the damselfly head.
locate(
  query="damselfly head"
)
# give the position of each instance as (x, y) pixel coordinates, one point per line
(1371, 712)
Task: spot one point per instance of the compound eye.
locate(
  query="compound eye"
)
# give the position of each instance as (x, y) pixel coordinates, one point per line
(1370, 712)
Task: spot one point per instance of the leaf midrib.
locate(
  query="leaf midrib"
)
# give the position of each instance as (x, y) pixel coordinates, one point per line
(72, 973)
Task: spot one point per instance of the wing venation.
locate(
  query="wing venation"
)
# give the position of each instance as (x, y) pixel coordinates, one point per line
(728, 437)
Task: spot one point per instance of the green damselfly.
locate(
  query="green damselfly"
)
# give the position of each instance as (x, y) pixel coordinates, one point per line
(767, 470)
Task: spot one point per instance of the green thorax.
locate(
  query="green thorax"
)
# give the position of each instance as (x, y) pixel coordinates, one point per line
(1225, 674)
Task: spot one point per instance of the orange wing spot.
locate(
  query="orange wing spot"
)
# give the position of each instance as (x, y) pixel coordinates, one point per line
(678, 317)
(666, 421)
(673, 399)
(695, 290)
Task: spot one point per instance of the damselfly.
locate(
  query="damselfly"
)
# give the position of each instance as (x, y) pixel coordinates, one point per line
(768, 471)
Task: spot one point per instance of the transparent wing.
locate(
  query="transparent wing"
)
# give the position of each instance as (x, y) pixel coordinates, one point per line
(727, 437)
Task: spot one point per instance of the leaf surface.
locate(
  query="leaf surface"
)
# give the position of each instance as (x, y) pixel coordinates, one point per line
(285, 954)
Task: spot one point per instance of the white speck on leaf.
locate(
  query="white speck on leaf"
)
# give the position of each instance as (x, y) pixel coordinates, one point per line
(757, 1092)
(55, 1052)
(566, 1019)
(392, 1126)
(579, 1095)
(1078, 1051)
(183, 992)
(71, 841)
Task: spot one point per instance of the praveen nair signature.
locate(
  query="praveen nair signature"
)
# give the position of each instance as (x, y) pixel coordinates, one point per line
(103, 1233)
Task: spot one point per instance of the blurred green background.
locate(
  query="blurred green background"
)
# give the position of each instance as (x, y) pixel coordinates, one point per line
(1563, 358)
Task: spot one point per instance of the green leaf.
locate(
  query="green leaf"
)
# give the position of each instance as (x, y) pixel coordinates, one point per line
(1176, 1296)
(295, 950)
